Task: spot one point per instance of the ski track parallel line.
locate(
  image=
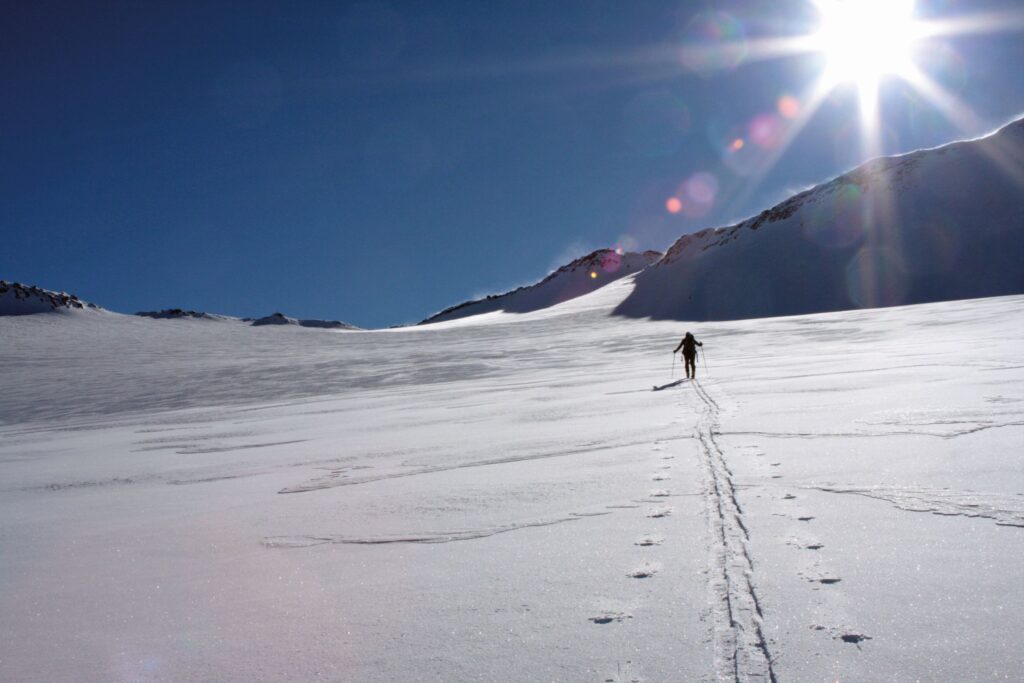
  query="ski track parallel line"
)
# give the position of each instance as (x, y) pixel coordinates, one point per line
(741, 650)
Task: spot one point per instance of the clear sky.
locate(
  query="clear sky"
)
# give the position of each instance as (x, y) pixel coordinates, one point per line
(376, 162)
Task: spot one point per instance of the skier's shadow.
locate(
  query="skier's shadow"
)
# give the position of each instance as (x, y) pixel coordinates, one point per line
(669, 385)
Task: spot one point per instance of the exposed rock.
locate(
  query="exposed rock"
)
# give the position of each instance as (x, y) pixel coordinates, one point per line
(19, 299)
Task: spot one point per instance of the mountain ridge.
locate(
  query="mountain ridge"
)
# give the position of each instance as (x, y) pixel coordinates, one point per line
(580, 276)
(895, 230)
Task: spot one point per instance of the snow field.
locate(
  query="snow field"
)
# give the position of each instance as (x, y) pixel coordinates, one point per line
(505, 498)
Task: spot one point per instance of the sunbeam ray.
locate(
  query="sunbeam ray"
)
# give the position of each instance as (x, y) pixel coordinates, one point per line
(811, 101)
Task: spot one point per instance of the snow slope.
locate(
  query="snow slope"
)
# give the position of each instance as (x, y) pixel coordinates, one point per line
(933, 225)
(583, 275)
(838, 496)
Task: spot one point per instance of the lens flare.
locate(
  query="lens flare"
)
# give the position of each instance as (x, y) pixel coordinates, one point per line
(674, 205)
(701, 188)
(788, 106)
(876, 277)
(626, 243)
(611, 262)
(766, 131)
(713, 41)
(698, 194)
(593, 275)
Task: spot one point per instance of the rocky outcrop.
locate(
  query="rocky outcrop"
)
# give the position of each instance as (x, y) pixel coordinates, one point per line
(19, 299)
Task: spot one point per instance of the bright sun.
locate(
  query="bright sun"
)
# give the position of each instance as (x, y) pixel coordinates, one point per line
(866, 40)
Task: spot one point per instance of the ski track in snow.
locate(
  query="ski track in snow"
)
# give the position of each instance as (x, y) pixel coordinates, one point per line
(741, 651)
(1004, 509)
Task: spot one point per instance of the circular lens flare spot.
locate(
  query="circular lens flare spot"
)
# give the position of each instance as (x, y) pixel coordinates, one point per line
(698, 194)
(674, 205)
(713, 41)
(611, 262)
(737, 145)
(766, 131)
(788, 106)
(593, 275)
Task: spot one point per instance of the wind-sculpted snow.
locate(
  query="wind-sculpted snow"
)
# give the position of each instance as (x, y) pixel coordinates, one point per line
(342, 477)
(933, 225)
(423, 537)
(1005, 510)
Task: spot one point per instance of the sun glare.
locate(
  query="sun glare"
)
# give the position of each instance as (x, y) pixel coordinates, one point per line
(866, 40)
(860, 44)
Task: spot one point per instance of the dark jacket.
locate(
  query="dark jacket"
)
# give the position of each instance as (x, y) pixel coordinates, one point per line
(689, 345)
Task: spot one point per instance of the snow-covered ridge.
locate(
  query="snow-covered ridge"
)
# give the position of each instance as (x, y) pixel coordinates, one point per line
(931, 225)
(177, 314)
(581, 276)
(19, 299)
(282, 319)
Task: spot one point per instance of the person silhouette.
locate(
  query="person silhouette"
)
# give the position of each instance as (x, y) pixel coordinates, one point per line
(689, 346)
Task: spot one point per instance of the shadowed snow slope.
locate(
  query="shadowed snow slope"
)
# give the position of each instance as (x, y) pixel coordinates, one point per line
(503, 497)
(933, 225)
(585, 274)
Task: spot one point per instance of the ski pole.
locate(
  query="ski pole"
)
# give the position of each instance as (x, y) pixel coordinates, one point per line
(673, 365)
(704, 357)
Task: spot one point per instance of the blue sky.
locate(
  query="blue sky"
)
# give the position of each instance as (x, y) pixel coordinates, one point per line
(376, 162)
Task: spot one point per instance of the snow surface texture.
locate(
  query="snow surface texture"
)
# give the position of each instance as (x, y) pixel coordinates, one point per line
(503, 497)
(19, 299)
(933, 225)
(583, 275)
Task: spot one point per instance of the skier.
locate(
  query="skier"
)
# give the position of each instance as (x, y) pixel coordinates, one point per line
(689, 346)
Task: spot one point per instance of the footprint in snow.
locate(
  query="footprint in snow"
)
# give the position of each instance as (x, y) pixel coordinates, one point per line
(804, 519)
(644, 572)
(657, 513)
(788, 496)
(839, 634)
(660, 493)
(609, 617)
(647, 541)
(660, 477)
